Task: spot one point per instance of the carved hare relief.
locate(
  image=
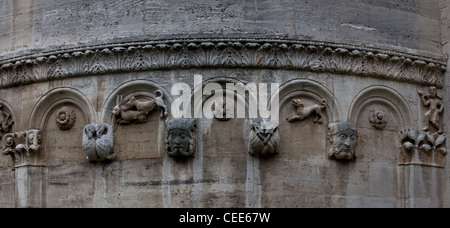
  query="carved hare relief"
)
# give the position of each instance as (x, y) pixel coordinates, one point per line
(137, 111)
(304, 112)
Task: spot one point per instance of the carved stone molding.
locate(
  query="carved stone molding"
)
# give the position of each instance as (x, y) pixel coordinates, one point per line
(224, 53)
(422, 148)
(263, 139)
(181, 138)
(65, 118)
(25, 148)
(98, 142)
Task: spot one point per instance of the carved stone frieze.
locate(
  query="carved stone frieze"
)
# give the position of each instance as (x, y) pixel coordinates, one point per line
(181, 138)
(25, 148)
(422, 148)
(251, 53)
(98, 142)
(263, 139)
(136, 110)
(65, 118)
(343, 137)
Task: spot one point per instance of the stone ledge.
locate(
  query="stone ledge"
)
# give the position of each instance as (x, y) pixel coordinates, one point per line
(224, 53)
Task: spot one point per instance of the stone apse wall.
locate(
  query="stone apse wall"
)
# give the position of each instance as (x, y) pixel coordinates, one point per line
(87, 103)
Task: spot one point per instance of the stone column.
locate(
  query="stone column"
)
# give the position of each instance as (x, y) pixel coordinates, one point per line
(28, 156)
(29, 188)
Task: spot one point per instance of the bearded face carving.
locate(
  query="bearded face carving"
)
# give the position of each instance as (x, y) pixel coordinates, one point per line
(343, 137)
(180, 137)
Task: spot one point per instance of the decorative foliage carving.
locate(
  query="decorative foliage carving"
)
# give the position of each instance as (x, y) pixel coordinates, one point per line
(98, 142)
(136, 110)
(377, 118)
(181, 138)
(251, 53)
(25, 148)
(65, 118)
(436, 106)
(303, 112)
(6, 121)
(263, 138)
(422, 148)
(343, 137)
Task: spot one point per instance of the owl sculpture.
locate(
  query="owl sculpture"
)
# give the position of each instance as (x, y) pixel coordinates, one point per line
(98, 142)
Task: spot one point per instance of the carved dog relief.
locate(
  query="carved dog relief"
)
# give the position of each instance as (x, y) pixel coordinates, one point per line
(136, 110)
(303, 111)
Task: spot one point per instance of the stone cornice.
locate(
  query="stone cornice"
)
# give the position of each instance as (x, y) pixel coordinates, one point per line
(223, 53)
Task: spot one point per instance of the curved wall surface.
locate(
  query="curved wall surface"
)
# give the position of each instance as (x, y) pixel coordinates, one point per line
(90, 92)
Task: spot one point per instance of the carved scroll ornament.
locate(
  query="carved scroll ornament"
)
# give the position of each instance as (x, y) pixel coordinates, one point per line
(25, 148)
(422, 148)
(65, 118)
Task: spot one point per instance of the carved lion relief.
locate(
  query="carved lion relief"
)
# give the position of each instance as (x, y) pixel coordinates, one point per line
(303, 111)
(263, 138)
(98, 142)
(181, 137)
(65, 118)
(25, 148)
(137, 110)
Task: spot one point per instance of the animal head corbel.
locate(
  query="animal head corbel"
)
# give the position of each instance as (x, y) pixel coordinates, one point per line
(116, 109)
